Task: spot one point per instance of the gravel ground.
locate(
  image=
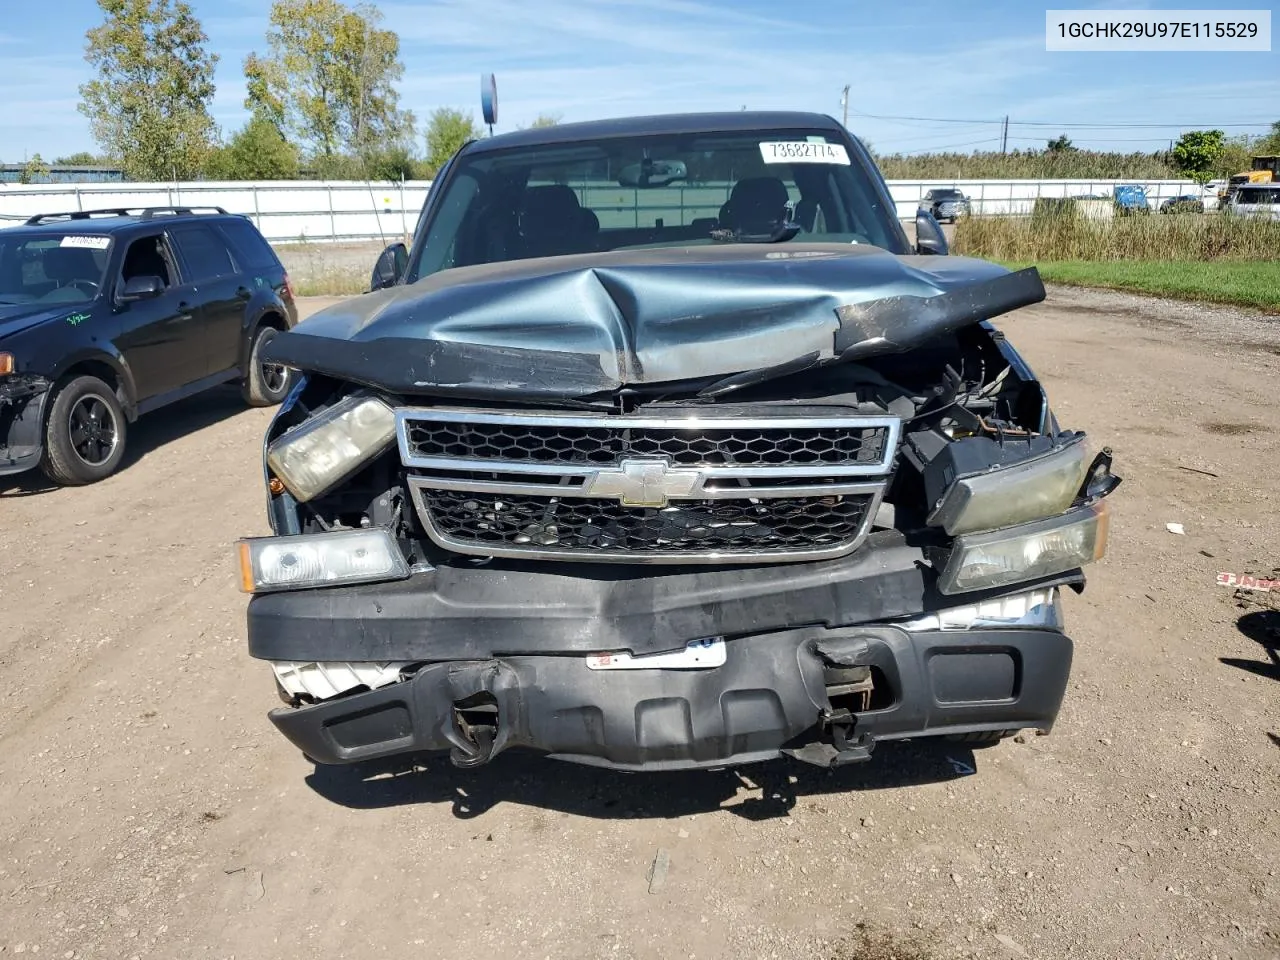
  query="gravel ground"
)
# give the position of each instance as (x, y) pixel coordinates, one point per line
(148, 809)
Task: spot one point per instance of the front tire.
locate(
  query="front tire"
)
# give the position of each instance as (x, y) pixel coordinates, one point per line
(266, 384)
(84, 436)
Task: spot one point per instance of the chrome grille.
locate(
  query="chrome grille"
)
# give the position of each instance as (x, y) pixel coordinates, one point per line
(860, 445)
(645, 489)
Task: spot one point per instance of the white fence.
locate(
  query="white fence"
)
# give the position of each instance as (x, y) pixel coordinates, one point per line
(341, 210)
(283, 210)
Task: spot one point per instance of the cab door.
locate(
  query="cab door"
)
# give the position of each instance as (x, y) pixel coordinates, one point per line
(160, 337)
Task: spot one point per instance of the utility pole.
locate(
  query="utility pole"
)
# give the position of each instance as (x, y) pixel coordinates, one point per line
(844, 104)
(1004, 137)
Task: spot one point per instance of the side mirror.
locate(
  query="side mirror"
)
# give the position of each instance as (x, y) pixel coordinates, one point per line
(929, 236)
(391, 265)
(141, 288)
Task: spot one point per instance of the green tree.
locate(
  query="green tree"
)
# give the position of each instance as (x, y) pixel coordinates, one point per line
(1060, 144)
(34, 170)
(545, 120)
(149, 104)
(257, 151)
(1269, 145)
(447, 131)
(328, 77)
(82, 158)
(1198, 152)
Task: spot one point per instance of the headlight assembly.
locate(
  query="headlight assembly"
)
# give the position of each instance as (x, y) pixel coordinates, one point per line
(319, 560)
(311, 459)
(1032, 551)
(1026, 490)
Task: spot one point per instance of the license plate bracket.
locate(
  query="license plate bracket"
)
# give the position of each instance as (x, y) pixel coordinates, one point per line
(705, 654)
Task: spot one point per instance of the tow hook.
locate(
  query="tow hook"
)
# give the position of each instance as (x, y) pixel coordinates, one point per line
(475, 721)
(848, 691)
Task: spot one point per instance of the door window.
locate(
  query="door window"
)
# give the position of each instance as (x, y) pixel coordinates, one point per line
(147, 257)
(203, 252)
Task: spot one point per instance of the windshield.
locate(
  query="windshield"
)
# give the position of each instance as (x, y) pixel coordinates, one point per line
(51, 268)
(1258, 195)
(948, 194)
(654, 191)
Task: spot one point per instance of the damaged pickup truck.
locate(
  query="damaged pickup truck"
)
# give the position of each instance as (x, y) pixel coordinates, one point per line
(662, 448)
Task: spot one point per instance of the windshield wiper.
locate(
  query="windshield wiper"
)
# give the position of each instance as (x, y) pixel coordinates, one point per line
(781, 233)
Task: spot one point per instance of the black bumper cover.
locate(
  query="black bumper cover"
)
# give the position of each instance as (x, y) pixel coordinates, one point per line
(768, 699)
(22, 402)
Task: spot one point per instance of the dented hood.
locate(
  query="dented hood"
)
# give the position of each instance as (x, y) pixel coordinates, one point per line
(573, 327)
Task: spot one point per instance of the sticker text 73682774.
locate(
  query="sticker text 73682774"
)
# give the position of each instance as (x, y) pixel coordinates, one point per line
(803, 151)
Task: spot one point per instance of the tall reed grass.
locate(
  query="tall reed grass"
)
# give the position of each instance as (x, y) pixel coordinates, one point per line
(1064, 235)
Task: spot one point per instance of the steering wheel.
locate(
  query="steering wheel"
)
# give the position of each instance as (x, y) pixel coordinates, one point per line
(82, 284)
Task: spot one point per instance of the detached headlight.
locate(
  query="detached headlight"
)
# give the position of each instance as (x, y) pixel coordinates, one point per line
(1042, 487)
(319, 560)
(1029, 552)
(312, 458)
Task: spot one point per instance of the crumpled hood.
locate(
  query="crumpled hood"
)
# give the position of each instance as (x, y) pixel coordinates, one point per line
(571, 327)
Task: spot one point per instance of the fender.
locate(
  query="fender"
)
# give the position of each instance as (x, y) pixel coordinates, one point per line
(258, 308)
(107, 355)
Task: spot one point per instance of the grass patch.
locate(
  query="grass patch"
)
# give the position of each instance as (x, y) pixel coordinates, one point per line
(1245, 284)
(1066, 235)
(333, 283)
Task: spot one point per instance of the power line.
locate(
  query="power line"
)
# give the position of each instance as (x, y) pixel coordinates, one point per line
(953, 146)
(1119, 125)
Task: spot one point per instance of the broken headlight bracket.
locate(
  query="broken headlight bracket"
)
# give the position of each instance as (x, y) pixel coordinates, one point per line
(22, 386)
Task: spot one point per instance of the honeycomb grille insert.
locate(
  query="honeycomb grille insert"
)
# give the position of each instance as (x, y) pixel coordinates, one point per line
(690, 486)
(754, 446)
(589, 526)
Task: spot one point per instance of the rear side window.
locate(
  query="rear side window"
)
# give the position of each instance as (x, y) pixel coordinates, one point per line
(248, 246)
(203, 252)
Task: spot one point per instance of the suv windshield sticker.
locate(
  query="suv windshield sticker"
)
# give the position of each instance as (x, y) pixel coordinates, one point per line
(802, 151)
(90, 243)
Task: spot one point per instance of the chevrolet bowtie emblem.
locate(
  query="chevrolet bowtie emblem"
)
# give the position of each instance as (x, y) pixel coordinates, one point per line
(643, 483)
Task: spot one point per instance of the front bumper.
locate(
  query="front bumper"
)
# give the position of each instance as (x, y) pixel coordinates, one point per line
(22, 402)
(770, 698)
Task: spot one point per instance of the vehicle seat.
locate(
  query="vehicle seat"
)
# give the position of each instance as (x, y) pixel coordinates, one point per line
(756, 205)
(66, 265)
(552, 223)
(807, 215)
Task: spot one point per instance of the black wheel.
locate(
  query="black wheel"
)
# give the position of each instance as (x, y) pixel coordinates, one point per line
(267, 383)
(85, 433)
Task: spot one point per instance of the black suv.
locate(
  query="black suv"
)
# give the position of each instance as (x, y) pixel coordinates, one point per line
(108, 314)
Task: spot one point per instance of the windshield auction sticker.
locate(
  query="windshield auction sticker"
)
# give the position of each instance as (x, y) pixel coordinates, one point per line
(86, 243)
(1235, 31)
(803, 151)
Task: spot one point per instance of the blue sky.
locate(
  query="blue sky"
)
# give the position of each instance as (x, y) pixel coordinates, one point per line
(584, 59)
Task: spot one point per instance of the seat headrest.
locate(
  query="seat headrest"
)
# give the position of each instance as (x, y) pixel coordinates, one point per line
(70, 263)
(552, 208)
(755, 204)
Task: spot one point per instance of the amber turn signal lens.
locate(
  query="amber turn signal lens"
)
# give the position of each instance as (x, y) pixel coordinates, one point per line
(246, 567)
(6, 364)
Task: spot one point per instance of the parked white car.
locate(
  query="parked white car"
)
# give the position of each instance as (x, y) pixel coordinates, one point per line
(1256, 200)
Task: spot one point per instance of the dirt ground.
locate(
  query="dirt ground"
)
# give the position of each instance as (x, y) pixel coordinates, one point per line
(149, 810)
